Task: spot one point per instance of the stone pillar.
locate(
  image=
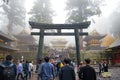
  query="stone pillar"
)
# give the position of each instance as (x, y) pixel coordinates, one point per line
(77, 46)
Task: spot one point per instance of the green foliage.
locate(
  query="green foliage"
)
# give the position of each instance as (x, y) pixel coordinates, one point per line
(27, 55)
(41, 12)
(2, 56)
(82, 10)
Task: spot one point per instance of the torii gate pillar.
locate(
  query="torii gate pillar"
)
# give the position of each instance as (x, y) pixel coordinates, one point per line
(77, 46)
(41, 43)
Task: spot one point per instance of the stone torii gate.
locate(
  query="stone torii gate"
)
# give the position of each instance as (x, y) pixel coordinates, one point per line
(59, 27)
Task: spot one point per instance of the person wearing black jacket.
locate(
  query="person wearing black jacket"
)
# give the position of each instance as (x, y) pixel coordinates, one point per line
(8, 63)
(105, 66)
(67, 72)
(87, 72)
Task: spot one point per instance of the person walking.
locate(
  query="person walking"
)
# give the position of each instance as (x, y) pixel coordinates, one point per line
(26, 69)
(8, 69)
(30, 69)
(79, 67)
(101, 67)
(67, 71)
(87, 72)
(105, 65)
(47, 70)
(20, 72)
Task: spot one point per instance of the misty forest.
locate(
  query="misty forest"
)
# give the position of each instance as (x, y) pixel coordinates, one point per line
(14, 14)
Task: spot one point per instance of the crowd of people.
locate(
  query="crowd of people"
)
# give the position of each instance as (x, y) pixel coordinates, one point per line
(65, 70)
(49, 69)
(10, 71)
(103, 67)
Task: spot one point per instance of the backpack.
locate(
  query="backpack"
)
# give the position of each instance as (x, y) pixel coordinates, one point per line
(61, 65)
(8, 72)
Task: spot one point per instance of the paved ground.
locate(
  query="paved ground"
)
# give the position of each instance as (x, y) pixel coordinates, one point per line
(34, 77)
(115, 71)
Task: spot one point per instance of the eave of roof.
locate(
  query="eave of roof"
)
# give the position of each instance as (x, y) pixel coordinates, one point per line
(6, 37)
(89, 37)
(115, 44)
(27, 38)
(8, 47)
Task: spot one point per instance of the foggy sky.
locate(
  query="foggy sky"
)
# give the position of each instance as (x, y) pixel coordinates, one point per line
(107, 23)
(3, 20)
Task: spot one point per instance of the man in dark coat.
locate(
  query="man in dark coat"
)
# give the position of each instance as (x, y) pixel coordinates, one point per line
(105, 65)
(8, 63)
(87, 72)
(67, 72)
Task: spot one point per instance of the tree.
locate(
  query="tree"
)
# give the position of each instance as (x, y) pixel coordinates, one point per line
(82, 10)
(15, 12)
(6, 1)
(41, 12)
(3, 17)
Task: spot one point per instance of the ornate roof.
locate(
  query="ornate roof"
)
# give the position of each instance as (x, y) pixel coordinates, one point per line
(108, 40)
(89, 37)
(25, 37)
(24, 32)
(8, 47)
(59, 40)
(93, 35)
(6, 37)
(115, 44)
